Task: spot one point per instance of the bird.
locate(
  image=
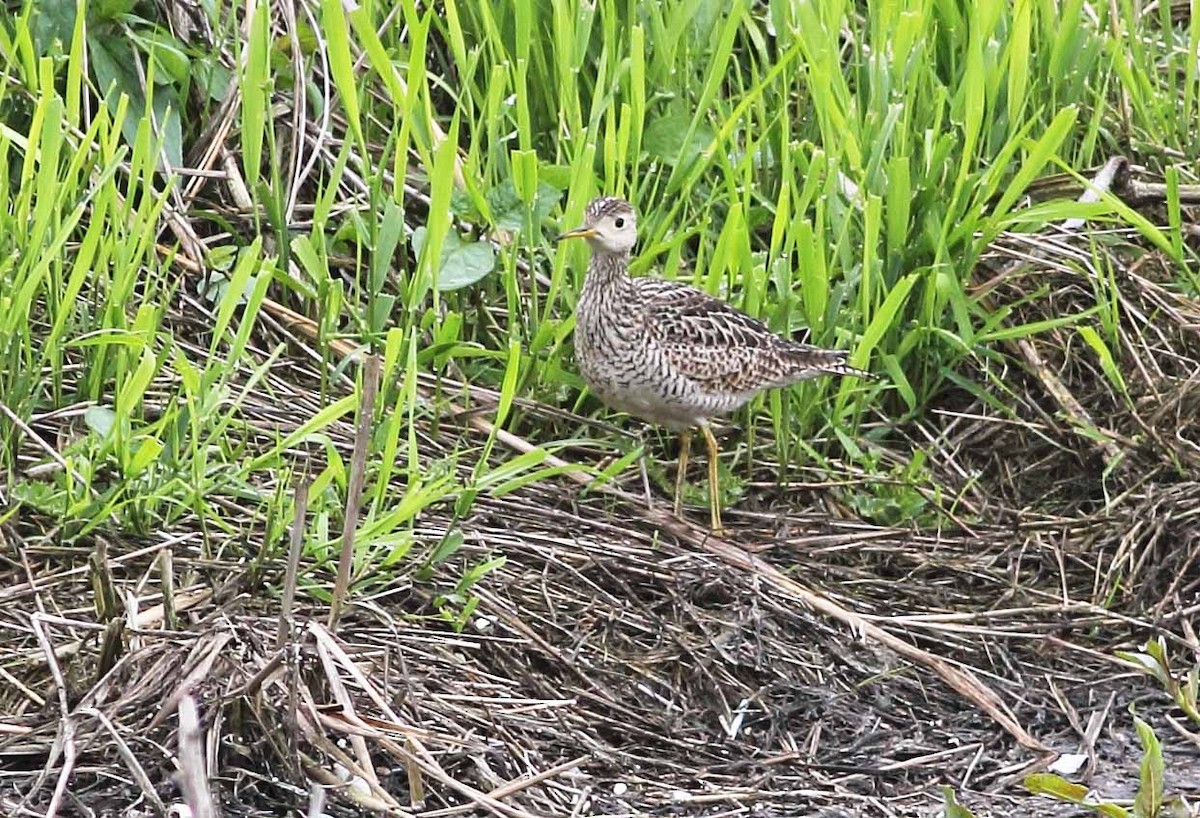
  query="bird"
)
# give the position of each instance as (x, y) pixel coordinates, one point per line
(670, 353)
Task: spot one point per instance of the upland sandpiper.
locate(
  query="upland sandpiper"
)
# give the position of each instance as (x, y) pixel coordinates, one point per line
(670, 353)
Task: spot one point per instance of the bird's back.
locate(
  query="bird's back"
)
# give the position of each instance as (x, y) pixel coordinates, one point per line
(672, 354)
(724, 349)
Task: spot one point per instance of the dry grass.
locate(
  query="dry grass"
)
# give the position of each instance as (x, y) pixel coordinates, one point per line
(619, 661)
(614, 666)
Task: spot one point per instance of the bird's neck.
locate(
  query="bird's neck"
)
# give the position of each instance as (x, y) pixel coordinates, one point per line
(607, 272)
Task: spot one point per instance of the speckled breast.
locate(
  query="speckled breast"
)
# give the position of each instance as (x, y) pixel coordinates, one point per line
(627, 371)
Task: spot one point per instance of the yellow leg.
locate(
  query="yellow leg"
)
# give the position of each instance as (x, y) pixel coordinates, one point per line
(685, 443)
(714, 490)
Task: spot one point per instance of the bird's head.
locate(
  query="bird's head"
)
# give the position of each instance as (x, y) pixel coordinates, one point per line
(609, 225)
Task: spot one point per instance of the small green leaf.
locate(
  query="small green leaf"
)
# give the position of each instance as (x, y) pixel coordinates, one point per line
(453, 541)
(171, 61)
(341, 63)
(1148, 663)
(147, 452)
(1149, 798)
(131, 392)
(953, 809)
(474, 574)
(1107, 363)
(391, 230)
(1057, 786)
(101, 420)
(41, 496)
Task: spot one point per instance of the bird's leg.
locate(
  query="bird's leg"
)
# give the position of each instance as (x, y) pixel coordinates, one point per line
(714, 491)
(685, 444)
(642, 468)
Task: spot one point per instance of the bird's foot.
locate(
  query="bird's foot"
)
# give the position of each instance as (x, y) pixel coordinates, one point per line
(646, 492)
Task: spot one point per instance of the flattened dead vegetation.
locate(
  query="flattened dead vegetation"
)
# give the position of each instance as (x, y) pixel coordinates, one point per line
(620, 662)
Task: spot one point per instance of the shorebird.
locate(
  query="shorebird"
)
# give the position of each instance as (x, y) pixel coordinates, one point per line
(670, 353)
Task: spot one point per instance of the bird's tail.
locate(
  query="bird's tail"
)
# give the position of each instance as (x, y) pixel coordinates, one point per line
(812, 362)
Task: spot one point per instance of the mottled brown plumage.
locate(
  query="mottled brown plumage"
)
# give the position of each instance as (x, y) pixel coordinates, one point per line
(672, 354)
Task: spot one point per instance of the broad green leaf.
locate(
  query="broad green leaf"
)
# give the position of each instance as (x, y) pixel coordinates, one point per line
(508, 211)
(114, 61)
(53, 21)
(101, 420)
(462, 263)
(667, 140)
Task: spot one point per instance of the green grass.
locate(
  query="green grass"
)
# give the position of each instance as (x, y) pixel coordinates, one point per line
(831, 166)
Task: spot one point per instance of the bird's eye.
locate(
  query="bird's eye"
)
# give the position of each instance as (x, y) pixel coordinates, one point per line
(619, 222)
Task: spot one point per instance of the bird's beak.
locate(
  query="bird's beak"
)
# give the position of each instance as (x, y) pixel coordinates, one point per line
(577, 233)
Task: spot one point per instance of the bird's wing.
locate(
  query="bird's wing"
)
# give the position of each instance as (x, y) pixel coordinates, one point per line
(680, 313)
(721, 347)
